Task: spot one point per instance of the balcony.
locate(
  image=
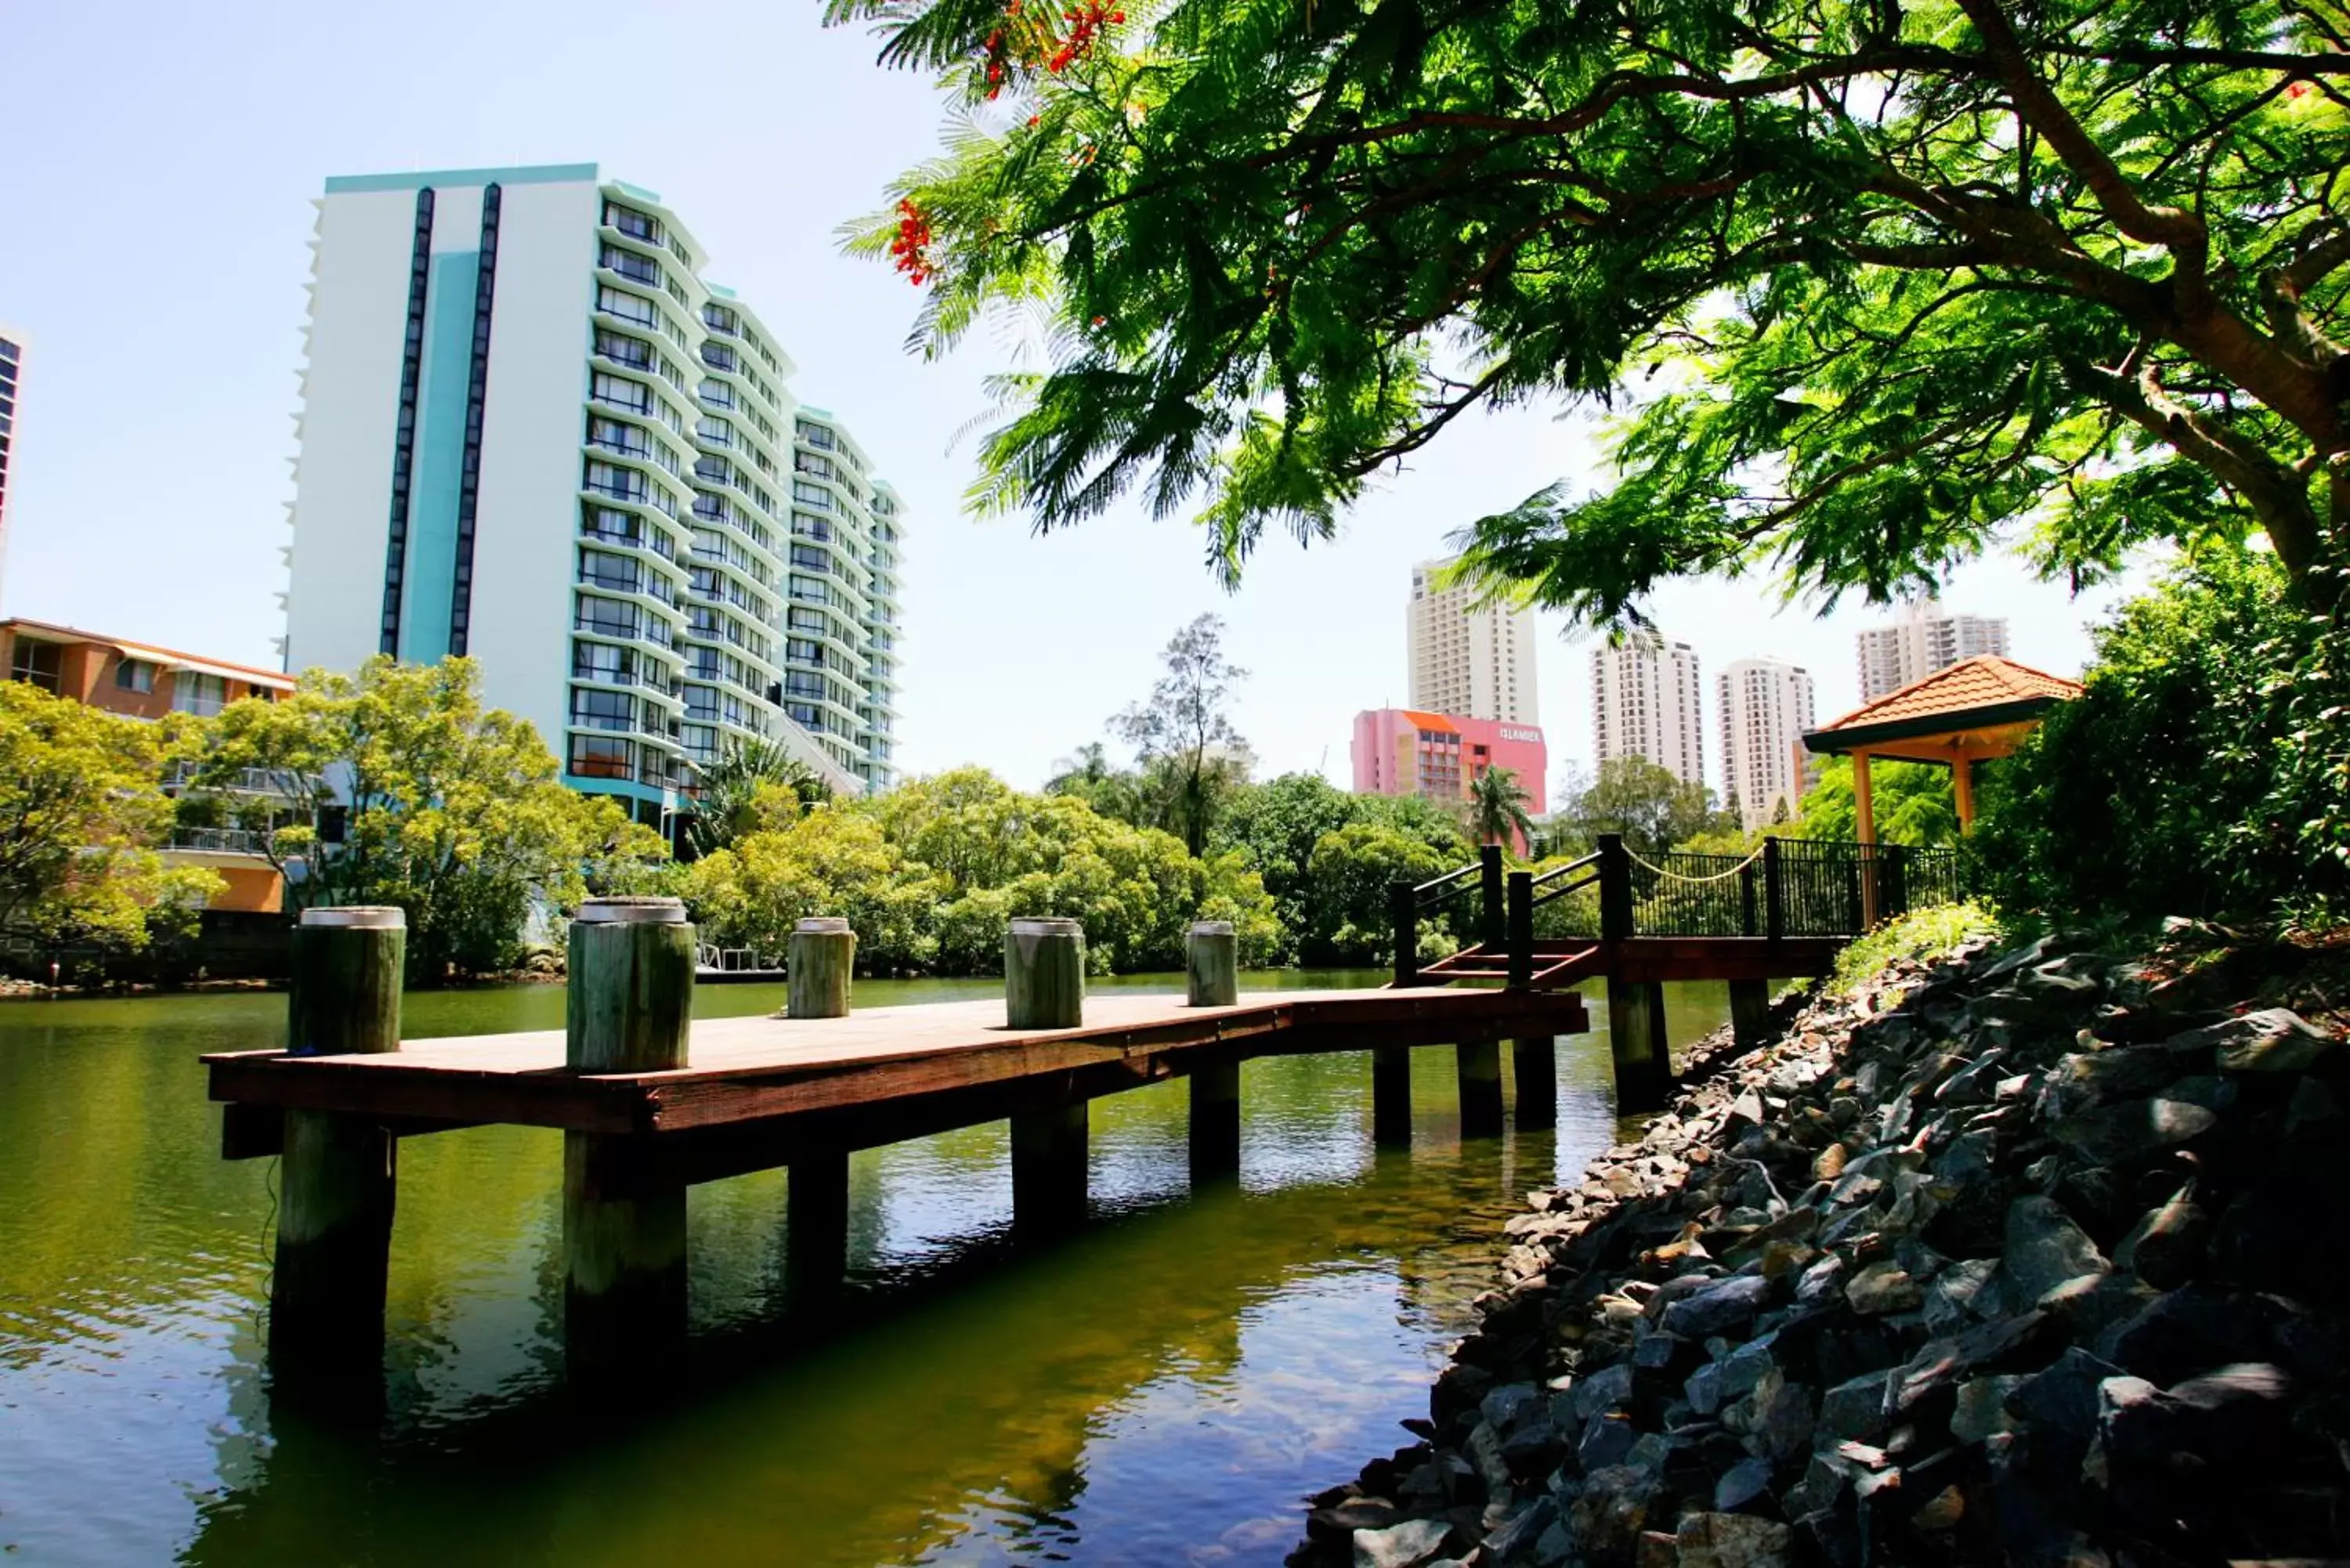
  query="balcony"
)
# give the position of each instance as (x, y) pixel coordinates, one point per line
(221, 840)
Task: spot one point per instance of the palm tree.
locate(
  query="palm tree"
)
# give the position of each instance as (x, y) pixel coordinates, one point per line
(1496, 808)
(722, 807)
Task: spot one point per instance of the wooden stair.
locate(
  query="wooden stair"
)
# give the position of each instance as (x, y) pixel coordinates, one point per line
(1564, 964)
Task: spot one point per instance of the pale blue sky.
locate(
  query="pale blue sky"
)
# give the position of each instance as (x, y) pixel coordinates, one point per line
(156, 215)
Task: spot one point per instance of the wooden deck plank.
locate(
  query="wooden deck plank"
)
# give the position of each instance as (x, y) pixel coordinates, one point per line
(760, 1068)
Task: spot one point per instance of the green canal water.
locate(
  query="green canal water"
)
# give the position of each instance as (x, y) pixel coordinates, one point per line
(1161, 1389)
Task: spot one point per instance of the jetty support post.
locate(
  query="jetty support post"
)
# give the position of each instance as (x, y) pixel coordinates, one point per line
(1492, 928)
(336, 1181)
(815, 1233)
(1044, 988)
(628, 1009)
(1477, 1069)
(1532, 1062)
(1637, 1040)
(1212, 970)
(821, 960)
(1750, 1013)
(1391, 1095)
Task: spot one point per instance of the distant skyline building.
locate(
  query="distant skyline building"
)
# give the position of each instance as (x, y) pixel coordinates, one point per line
(12, 376)
(533, 434)
(1923, 637)
(1411, 751)
(1645, 702)
(1467, 657)
(1764, 706)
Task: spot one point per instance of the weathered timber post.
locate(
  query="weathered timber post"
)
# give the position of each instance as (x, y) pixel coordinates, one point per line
(629, 1010)
(335, 1207)
(1492, 932)
(1403, 925)
(1048, 1169)
(821, 960)
(1749, 1012)
(815, 1233)
(1614, 889)
(1893, 901)
(1043, 972)
(1391, 1095)
(1215, 1118)
(1478, 1069)
(1213, 964)
(1774, 890)
(1534, 1062)
(1636, 1039)
(1521, 929)
(1749, 922)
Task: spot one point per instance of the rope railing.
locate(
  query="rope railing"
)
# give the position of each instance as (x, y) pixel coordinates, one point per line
(1634, 857)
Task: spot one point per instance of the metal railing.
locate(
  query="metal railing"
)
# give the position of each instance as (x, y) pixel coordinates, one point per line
(221, 840)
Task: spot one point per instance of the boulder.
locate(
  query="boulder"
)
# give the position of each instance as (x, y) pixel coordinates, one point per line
(1732, 1541)
(2044, 1248)
(1884, 1286)
(2273, 1040)
(1718, 1306)
(2133, 1129)
(1414, 1543)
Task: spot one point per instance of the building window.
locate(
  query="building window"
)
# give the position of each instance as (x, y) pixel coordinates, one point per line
(635, 224)
(599, 757)
(621, 348)
(134, 675)
(603, 710)
(37, 664)
(202, 695)
(720, 319)
(630, 265)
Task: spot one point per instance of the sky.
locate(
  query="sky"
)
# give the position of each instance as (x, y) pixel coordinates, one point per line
(158, 218)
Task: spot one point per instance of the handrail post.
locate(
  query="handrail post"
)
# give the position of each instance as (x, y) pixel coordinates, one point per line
(1774, 890)
(1490, 929)
(1403, 921)
(1614, 889)
(1522, 927)
(1748, 922)
(1893, 891)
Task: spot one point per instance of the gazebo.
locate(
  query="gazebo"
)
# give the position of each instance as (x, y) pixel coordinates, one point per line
(1977, 708)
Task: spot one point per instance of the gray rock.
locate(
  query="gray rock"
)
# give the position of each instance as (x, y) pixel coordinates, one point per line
(2133, 1128)
(2273, 1040)
(1781, 1417)
(1605, 1389)
(1742, 1485)
(1882, 1287)
(1744, 1367)
(2044, 1248)
(1981, 1408)
(1414, 1543)
(1719, 1306)
(1607, 1519)
(1962, 1294)
(2166, 1247)
(1856, 1409)
(2064, 1398)
(1503, 1406)
(1514, 1540)
(1703, 1389)
(1732, 1541)
(1606, 1441)
(1821, 1282)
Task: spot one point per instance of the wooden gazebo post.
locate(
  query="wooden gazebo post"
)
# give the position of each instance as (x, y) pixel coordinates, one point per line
(1863, 828)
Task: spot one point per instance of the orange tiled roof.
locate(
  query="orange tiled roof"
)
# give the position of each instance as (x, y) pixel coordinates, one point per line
(1986, 681)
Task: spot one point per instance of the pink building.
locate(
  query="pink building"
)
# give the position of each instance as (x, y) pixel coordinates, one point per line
(1402, 751)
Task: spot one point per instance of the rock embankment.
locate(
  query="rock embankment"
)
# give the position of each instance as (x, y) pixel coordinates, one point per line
(2034, 1257)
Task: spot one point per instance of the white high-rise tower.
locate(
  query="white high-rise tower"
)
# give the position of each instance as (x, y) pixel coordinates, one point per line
(532, 433)
(1469, 660)
(1765, 705)
(1645, 703)
(1922, 638)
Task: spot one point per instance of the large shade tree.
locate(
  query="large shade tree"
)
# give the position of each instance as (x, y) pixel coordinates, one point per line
(1887, 277)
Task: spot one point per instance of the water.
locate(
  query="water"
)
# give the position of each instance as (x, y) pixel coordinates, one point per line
(1161, 1390)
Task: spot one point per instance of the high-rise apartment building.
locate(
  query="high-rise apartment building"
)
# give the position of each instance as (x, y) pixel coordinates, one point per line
(1765, 706)
(1645, 703)
(533, 434)
(1922, 638)
(12, 375)
(1468, 657)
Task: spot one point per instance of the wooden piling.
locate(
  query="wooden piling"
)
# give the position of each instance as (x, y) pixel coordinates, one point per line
(1213, 964)
(1535, 1064)
(1048, 1169)
(336, 1184)
(1043, 972)
(1478, 1069)
(1637, 1040)
(1215, 1120)
(629, 1010)
(821, 959)
(1750, 1013)
(815, 1238)
(1391, 1095)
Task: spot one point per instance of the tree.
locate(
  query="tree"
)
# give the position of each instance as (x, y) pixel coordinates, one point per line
(1088, 775)
(1183, 736)
(404, 790)
(82, 811)
(1913, 803)
(1892, 278)
(723, 807)
(1349, 874)
(1496, 809)
(1646, 802)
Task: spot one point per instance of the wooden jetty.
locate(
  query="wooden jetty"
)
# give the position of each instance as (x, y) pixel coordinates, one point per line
(651, 1103)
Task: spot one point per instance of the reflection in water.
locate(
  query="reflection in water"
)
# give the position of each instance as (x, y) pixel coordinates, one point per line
(1161, 1389)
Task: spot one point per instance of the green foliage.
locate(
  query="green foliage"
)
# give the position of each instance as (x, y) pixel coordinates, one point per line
(1647, 804)
(454, 813)
(82, 811)
(1276, 826)
(2204, 772)
(725, 806)
(1924, 934)
(929, 874)
(1345, 895)
(1889, 280)
(1183, 736)
(1913, 803)
(1495, 811)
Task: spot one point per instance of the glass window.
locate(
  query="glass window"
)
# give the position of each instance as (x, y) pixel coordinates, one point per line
(38, 663)
(630, 265)
(599, 757)
(621, 393)
(606, 617)
(719, 357)
(627, 306)
(720, 319)
(635, 224)
(811, 494)
(200, 694)
(135, 675)
(603, 710)
(633, 352)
